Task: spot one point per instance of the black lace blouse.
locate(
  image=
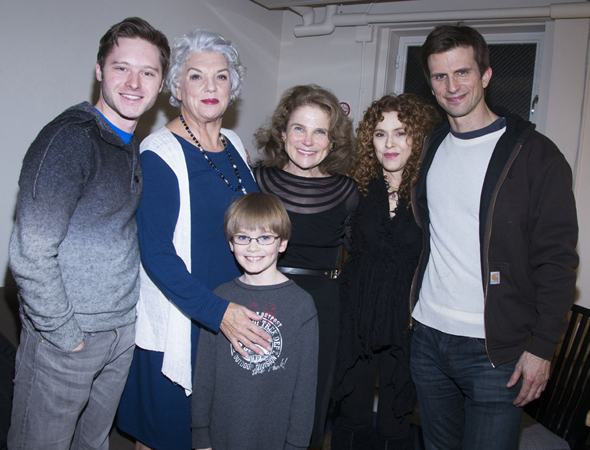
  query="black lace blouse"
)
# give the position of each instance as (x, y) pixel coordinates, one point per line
(318, 208)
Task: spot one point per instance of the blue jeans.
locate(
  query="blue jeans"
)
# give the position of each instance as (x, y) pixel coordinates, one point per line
(66, 400)
(464, 402)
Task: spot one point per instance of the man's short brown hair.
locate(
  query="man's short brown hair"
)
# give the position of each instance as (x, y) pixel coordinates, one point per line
(134, 27)
(448, 37)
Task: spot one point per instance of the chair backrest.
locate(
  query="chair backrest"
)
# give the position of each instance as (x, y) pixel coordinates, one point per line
(565, 403)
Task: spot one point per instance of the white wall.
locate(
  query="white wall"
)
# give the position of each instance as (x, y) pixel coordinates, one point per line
(331, 61)
(583, 199)
(49, 51)
(335, 61)
(48, 55)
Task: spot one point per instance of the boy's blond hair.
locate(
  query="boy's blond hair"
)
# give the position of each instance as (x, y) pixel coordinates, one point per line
(257, 210)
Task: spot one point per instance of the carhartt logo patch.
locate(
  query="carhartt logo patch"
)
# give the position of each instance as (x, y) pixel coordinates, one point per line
(494, 277)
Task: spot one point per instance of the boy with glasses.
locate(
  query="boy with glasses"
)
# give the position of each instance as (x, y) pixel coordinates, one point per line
(259, 402)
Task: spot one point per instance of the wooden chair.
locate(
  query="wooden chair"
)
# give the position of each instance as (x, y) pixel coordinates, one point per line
(563, 407)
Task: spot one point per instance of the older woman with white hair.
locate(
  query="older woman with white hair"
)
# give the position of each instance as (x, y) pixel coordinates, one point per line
(192, 169)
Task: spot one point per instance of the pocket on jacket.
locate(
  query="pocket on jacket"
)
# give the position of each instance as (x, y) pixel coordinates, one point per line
(507, 302)
(501, 283)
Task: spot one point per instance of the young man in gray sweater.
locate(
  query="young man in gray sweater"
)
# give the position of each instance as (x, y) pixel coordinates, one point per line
(261, 402)
(74, 251)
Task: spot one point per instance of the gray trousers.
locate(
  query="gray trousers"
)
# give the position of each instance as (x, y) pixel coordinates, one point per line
(67, 400)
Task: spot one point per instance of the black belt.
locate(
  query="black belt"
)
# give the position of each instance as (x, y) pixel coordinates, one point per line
(332, 274)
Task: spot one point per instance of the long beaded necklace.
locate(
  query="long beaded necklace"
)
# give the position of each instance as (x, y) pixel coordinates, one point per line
(212, 164)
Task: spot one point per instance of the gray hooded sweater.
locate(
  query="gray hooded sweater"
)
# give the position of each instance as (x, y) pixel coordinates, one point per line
(74, 251)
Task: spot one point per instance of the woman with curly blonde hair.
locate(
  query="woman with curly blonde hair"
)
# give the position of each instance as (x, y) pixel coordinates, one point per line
(385, 244)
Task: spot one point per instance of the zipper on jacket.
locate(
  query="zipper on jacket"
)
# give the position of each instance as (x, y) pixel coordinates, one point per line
(419, 223)
(488, 236)
(412, 290)
(414, 278)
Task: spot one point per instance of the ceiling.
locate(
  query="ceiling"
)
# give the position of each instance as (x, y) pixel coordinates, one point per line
(276, 4)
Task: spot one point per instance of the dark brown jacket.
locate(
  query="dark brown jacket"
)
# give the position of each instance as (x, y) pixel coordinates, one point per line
(528, 233)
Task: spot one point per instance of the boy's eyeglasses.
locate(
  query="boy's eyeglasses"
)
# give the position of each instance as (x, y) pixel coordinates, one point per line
(267, 239)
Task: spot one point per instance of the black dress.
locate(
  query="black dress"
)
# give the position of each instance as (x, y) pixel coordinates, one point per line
(375, 334)
(318, 209)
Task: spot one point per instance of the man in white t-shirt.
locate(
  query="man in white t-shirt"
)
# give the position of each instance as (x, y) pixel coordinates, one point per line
(497, 274)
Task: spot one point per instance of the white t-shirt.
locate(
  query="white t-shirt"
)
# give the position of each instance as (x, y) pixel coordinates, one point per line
(451, 298)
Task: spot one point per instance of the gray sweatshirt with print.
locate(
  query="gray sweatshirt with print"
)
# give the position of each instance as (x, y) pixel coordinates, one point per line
(74, 250)
(266, 402)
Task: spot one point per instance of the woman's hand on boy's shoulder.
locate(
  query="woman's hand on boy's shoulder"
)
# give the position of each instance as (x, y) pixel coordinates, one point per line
(238, 327)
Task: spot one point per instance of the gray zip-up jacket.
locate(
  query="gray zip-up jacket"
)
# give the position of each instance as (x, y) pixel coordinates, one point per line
(74, 251)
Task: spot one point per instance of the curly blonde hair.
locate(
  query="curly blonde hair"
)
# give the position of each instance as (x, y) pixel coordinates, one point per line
(418, 120)
(269, 138)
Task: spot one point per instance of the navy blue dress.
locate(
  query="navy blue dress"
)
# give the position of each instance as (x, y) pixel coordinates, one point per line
(153, 409)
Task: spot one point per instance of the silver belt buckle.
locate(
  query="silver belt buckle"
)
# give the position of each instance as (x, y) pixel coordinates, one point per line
(332, 274)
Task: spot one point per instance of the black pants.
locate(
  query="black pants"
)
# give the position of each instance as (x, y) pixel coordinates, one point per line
(395, 405)
(325, 293)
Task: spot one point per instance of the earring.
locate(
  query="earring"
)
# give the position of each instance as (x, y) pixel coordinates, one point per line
(283, 138)
(331, 146)
(231, 100)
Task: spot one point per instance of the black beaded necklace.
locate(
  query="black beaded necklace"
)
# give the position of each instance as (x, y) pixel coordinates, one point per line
(212, 164)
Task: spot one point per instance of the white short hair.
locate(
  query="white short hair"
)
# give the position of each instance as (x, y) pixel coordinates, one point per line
(203, 41)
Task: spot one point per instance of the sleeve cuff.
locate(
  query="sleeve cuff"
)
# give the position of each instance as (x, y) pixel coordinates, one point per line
(201, 438)
(67, 337)
(542, 348)
(289, 446)
(222, 309)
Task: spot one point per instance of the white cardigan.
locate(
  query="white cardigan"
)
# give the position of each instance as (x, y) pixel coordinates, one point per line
(161, 326)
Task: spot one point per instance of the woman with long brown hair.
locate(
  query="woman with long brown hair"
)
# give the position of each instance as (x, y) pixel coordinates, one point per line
(308, 147)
